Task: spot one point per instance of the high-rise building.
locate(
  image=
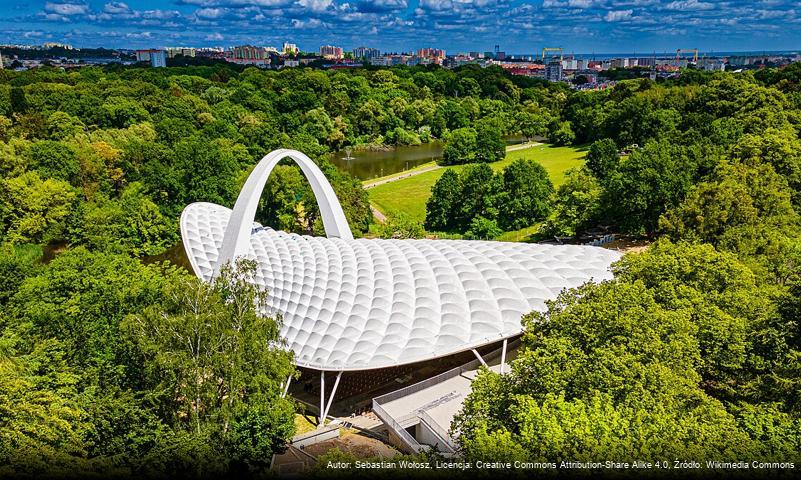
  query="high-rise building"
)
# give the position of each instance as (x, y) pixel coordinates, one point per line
(553, 71)
(157, 58)
(366, 53)
(331, 52)
(290, 49)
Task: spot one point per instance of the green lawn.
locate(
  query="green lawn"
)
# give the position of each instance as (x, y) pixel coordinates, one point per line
(410, 194)
(303, 424)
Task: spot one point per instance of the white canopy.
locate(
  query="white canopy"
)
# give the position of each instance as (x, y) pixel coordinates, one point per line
(358, 304)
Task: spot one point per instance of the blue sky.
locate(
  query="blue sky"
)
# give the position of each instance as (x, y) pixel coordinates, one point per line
(581, 26)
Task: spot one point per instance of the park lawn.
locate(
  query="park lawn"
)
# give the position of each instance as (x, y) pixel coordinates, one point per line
(409, 195)
(522, 235)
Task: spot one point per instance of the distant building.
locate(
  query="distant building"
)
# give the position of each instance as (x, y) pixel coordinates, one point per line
(49, 45)
(646, 62)
(619, 63)
(590, 75)
(553, 71)
(249, 55)
(331, 52)
(435, 55)
(173, 52)
(290, 49)
(366, 53)
(157, 58)
(570, 64)
(1, 61)
(713, 65)
(500, 55)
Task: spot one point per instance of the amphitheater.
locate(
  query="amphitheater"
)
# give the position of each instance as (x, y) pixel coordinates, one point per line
(374, 315)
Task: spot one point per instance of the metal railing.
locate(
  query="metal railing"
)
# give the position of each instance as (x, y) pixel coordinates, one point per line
(397, 429)
(438, 430)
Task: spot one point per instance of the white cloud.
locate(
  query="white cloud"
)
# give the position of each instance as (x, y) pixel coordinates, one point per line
(214, 37)
(66, 8)
(210, 13)
(310, 23)
(315, 5)
(689, 5)
(618, 15)
(114, 8)
(161, 14)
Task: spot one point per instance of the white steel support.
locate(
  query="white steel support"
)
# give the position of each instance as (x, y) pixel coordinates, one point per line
(333, 392)
(286, 386)
(322, 399)
(503, 356)
(479, 357)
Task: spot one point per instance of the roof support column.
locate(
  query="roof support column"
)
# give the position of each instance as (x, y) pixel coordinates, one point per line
(286, 386)
(333, 392)
(321, 423)
(475, 352)
(503, 356)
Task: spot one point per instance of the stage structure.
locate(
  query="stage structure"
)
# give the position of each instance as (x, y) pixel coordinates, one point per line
(359, 304)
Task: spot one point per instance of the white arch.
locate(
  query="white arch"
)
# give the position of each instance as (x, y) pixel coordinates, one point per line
(236, 241)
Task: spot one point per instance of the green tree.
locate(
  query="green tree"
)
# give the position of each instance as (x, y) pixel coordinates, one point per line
(42, 425)
(55, 160)
(441, 206)
(527, 189)
(217, 331)
(561, 133)
(32, 209)
(602, 158)
(460, 146)
(490, 145)
(400, 226)
(577, 203)
(481, 228)
(479, 196)
(648, 183)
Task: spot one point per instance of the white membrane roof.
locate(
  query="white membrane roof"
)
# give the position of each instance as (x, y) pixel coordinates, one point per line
(358, 304)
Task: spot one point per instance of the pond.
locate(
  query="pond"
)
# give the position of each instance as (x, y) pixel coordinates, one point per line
(367, 164)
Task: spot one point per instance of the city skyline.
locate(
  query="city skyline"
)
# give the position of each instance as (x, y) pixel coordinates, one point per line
(581, 26)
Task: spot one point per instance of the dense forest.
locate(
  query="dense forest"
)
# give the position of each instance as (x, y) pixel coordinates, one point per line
(694, 349)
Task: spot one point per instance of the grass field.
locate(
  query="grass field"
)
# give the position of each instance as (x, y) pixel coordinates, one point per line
(409, 195)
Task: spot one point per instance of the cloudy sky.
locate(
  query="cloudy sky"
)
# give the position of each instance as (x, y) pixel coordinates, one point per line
(581, 26)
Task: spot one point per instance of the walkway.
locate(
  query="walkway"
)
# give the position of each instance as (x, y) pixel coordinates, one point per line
(400, 176)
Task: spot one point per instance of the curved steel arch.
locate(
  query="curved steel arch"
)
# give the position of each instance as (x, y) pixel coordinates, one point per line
(236, 241)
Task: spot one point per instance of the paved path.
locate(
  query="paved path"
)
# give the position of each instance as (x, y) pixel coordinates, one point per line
(401, 176)
(379, 217)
